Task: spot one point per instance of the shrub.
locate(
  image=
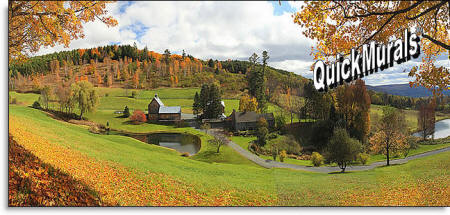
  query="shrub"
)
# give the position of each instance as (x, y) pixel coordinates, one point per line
(280, 121)
(274, 152)
(126, 112)
(342, 149)
(253, 147)
(304, 157)
(272, 136)
(138, 117)
(283, 155)
(94, 129)
(363, 158)
(134, 94)
(185, 154)
(261, 134)
(36, 105)
(292, 156)
(287, 143)
(317, 159)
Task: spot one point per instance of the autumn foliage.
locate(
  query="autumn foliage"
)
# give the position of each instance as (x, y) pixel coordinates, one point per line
(138, 117)
(119, 185)
(390, 137)
(33, 24)
(426, 119)
(339, 26)
(248, 103)
(34, 183)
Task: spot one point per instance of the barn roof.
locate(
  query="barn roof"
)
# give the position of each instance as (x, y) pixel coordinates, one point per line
(251, 116)
(170, 109)
(158, 100)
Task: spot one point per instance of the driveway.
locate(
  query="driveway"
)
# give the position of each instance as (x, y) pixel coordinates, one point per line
(323, 169)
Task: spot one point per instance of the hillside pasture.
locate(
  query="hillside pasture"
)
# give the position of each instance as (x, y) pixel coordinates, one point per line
(125, 171)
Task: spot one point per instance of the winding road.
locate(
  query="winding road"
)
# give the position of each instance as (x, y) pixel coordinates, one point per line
(324, 169)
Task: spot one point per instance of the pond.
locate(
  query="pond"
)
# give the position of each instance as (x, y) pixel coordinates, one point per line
(441, 129)
(179, 141)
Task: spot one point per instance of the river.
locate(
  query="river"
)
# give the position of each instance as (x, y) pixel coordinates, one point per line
(441, 129)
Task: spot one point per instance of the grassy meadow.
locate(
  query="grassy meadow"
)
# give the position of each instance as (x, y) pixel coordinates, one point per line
(115, 99)
(376, 112)
(159, 176)
(125, 171)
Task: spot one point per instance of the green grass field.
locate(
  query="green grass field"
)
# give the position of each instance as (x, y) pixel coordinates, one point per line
(118, 98)
(410, 115)
(244, 142)
(395, 185)
(115, 99)
(210, 173)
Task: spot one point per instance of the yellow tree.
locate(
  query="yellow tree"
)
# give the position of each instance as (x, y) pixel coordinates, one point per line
(136, 78)
(110, 80)
(339, 26)
(247, 103)
(117, 70)
(33, 24)
(390, 136)
(125, 73)
(65, 67)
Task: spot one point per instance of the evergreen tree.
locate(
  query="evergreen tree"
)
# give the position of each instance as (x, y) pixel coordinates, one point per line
(167, 56)
(196, 105)
(126, 112)
(256, 80)
(210, 101)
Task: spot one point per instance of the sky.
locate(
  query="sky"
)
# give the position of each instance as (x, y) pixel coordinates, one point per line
(219, 30)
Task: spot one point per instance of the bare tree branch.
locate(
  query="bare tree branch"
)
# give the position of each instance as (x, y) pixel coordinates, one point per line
(437, 6)
(385, 13)
(439, 43)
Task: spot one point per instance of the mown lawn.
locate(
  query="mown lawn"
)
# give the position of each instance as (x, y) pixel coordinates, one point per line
(421, 149)
(244, 142)
(420, 182)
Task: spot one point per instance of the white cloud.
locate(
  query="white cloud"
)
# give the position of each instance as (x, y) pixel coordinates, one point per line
(217, 30)
(297, 66)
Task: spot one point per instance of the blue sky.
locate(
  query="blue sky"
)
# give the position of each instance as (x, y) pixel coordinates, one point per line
(217, 30)
(280, 9)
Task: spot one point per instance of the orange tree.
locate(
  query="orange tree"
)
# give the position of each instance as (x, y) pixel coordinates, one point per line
(33, 24)
(390, 135)
(339, 26)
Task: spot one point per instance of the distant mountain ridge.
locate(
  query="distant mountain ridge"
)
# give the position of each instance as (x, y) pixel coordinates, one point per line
(403, 90)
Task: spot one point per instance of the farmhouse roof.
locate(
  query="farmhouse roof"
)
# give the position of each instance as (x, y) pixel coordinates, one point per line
(158, 100)
(251, 116)
(170, 109)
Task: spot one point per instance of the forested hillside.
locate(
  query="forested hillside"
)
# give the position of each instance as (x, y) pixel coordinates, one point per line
(127, 66)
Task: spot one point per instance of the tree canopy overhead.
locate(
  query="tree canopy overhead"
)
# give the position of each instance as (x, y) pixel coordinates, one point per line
(33, 24)
(339, 26)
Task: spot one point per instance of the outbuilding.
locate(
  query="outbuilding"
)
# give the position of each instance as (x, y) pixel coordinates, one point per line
(157, 111)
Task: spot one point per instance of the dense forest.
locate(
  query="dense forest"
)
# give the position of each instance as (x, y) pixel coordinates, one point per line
(127, 66)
